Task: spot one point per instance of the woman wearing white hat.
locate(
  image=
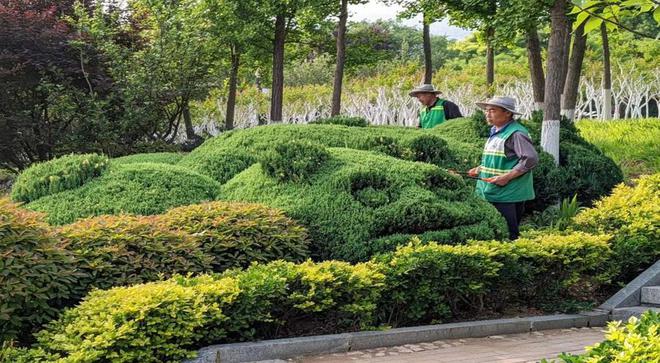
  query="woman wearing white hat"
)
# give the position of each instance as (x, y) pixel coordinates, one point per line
(436, 110)
(505, 176)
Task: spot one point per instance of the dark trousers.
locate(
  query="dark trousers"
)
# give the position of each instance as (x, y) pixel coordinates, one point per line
(512, 213)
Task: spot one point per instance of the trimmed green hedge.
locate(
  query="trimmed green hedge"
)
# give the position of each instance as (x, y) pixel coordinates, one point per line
(126, 250)
(166, 321)
(141, 188)
(50, 177)
(342, 120)
(358, 197)
(637, 341)
(36, 275)
(158, 158)
(632, 216)
(237, 234)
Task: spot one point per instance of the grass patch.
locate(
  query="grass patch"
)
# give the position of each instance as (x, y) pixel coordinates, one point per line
(632, 144)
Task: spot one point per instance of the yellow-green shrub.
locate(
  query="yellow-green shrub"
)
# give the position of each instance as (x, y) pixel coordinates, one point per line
(36, 276)
(57, 175)
(433, 282)
(153, 322)
(638, 341)
(237, 234)
(632, 216)
(549, 270)
(127, 250)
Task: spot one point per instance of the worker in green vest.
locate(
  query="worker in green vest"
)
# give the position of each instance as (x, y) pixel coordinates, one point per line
(435, 110)
(505, 176)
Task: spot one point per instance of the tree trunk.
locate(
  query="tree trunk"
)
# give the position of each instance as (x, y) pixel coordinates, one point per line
(490, 60)
(428, 62)
(573, 75)
(231, 97)
(187, 121)
(607, 75)
(566, 53)
(554, 82)
(277, 91)
(341, 58)
(535, 66)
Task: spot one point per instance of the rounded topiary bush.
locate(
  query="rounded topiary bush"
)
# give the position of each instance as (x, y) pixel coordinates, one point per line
(141, 188)
(127, 250)
(159, 158)
(342, 120)
(632, 216)
(36, 275)
(430, 149)
(237, 234)
(294, 161)
(50, 177)
(218, 163)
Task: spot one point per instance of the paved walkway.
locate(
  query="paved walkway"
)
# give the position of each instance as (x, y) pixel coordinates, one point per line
(515, 348)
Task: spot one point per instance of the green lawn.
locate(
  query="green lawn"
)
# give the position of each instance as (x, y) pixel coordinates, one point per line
(633, 144)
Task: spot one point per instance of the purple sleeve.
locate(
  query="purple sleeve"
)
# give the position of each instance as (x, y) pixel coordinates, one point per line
(521, 146)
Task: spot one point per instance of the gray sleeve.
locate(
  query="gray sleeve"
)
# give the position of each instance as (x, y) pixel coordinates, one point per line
(520, 146)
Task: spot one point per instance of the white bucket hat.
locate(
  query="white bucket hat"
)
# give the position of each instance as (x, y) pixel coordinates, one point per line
(507, 103)
(423, 88)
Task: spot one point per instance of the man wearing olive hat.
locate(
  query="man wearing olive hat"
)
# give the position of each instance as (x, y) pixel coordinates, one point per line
(436, 110)
(505, 176)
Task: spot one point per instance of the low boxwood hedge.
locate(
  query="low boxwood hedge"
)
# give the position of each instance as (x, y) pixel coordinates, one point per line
(50, 177)
(166, 321)
(236, 234)
(158, 158)
(126, 250)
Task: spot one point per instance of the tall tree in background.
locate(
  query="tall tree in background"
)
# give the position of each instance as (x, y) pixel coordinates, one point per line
(288, 14)
(554, 84)
(607, 74)
(341, 59)
(570, 94)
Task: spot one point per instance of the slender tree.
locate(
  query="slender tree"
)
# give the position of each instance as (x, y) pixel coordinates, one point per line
(554, 84)
(607, 75)
(341, 59)
(572, 83)
(535, 65)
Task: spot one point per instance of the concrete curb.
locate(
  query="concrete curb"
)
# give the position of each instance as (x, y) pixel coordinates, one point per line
(630, 295)
(273, 350)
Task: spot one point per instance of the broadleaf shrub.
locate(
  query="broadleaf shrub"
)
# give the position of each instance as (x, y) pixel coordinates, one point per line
(126, 250)
(237, 234)
(50, 177)
(638, 340)
(632, 216)
(294, 161)
(36, 275)
(168, 320)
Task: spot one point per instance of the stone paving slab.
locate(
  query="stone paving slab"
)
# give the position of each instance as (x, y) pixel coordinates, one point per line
(511, 348)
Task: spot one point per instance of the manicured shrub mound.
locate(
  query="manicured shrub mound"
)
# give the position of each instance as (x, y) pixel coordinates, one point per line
(142, 188)
(167, 321)
(50, 177)
(294, 161)
(237, 234)
(229, 153)
(127, 250)
(342, 120)
(159, 158)
(638, 340)
(632, 216)
(358, 197)
(36, 276)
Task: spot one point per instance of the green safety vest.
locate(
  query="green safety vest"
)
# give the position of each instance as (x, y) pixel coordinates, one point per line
(494, 162)
(432, 117)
